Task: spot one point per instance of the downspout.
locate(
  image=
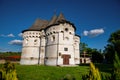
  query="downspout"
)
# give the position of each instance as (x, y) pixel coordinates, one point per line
(39, 52)
(57, 50)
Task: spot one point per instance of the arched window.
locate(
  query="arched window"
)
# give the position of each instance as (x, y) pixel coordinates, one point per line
(35, 42)
(53, 38)
(70, 33)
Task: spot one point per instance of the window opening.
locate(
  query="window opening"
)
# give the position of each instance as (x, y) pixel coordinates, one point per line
(65, 49)
(66, 29)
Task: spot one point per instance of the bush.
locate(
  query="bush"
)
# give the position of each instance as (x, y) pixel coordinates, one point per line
(8, 72)
(116, 69)
(93, 73)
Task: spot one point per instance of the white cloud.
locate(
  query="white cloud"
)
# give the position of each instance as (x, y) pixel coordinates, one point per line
(94, 32)
(16, 42)
(10, 35)
(20, 34)
(85, 33)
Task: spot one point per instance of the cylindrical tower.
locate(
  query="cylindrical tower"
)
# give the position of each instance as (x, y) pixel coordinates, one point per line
(77, 49)
(51, 46)
(66, 48)
(59, 46)
(31, 48)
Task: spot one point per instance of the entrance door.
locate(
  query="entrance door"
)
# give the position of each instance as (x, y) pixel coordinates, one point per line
(66, 59)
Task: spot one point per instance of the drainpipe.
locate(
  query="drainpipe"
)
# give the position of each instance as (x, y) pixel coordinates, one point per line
(39, 52)
(57, 49)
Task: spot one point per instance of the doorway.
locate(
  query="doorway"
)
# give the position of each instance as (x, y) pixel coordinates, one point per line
(66, 59)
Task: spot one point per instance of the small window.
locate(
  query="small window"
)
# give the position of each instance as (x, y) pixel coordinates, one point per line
(66, 38)
(31, 58)
(50, 32)
(65, 49)
(66, 29)
(35, 40)
(62, 32)
(59, 54)
(53, 38)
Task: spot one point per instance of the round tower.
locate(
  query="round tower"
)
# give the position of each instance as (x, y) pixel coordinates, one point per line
(33, 51)
(31, 47)
(59, 46)
(77, 49)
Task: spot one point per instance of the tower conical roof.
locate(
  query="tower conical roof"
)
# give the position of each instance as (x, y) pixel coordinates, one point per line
(53, 20)
(60, 17)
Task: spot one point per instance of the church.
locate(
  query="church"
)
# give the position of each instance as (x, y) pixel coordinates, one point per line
(51, 42)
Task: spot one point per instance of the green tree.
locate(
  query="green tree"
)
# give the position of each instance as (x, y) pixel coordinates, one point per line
(96, 55)
(83, 47)
(115, 40)
(112, 46)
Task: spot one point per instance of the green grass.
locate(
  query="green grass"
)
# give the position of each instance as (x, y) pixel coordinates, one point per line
(35, 72)
(49, 72)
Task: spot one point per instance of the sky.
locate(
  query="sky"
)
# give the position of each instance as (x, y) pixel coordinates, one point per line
(95, 20)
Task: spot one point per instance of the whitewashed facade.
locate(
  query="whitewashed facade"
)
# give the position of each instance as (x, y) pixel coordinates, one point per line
(51, 42)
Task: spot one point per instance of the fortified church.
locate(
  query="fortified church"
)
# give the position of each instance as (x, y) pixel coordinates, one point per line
(52, 42)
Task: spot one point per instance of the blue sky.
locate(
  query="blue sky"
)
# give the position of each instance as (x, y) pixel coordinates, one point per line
(95, 20)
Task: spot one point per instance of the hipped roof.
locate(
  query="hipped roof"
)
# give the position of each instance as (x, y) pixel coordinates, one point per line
(44, 24)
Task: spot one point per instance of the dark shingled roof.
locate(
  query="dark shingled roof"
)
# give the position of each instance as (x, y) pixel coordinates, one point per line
(44, 24)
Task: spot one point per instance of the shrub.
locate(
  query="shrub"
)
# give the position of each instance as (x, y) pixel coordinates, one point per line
(8, 72)
(116, 69)
(93, 73)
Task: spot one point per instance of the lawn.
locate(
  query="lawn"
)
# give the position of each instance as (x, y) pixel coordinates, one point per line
(49, 72)
(36, 72)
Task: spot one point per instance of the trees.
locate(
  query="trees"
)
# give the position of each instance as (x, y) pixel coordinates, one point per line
(114, 40)
(95, 54)
(112, 46)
